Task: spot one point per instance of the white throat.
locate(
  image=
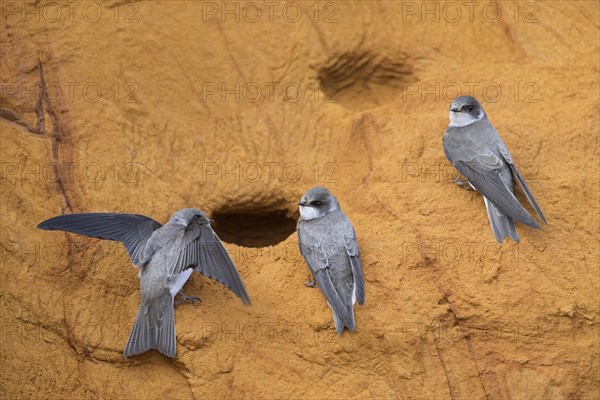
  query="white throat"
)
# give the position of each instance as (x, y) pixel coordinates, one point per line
(459, 119)
(307, 213)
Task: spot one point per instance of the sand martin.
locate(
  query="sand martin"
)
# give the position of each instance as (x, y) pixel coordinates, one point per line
(476, 150)
(165, 256)
(328, 244)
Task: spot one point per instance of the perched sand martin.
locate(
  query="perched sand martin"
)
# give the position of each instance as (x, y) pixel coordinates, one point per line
(476, 150)
(329, 246)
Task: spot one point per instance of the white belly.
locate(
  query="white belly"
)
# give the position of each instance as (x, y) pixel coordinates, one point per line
(178, 281)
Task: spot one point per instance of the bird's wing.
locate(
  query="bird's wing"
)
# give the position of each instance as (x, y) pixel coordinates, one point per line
(318, 262)
(351, 245)
(200, 248)
(482, 168)
(132, 230)
(506, 155)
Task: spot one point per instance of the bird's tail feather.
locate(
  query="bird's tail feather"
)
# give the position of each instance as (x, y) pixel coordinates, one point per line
(154, 328)
(340, 323)
(502, 225)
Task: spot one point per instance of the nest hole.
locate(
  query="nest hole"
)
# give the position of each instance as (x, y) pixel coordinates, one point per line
(253, 228)
(359, 80)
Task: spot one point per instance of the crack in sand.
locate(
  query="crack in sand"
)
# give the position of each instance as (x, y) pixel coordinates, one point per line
(468, 342)
(444, 294)
(57, 135)
(66, 335)
(443, 367)
(11, 118)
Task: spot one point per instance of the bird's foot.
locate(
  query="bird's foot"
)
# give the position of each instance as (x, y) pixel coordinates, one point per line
(463, 184)
(185, 297)
(310, 282)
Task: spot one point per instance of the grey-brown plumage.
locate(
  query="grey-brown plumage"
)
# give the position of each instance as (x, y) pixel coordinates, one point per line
(328, 244)
(475, 149)
(166, 256)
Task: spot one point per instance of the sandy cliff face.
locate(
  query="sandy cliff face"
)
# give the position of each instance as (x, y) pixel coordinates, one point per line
(149, 107)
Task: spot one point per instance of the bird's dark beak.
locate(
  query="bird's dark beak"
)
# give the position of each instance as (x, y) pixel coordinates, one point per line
(302, 203)
(454, 109)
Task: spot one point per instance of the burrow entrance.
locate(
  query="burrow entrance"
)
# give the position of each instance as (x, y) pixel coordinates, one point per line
(253, 228)
(359, 79)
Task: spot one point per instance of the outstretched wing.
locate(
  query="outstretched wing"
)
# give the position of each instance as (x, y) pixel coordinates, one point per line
(201, 249)
(132, 230)
(482, 168)
(351, 245)
(506, 155)
(316, 258)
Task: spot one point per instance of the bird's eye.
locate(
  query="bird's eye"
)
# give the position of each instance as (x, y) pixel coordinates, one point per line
(318, 203)
(196, 216)
(469, 108)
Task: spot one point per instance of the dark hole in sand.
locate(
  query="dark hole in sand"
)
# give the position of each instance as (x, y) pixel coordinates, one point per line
(253, 229)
